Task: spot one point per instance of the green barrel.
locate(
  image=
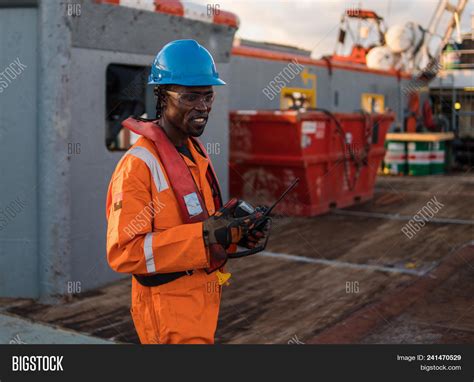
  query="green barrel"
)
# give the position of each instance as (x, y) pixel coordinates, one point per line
(438, 157)
(395, 161)
(419, 161)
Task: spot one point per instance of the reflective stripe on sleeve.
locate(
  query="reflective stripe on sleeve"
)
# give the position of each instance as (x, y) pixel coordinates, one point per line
(148, 249)
(155, 169)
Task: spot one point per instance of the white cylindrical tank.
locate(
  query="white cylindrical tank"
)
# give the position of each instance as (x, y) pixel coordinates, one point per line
(402, 37)
(380, 57)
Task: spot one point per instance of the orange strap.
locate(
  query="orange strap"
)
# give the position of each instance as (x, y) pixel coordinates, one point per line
(191, 204)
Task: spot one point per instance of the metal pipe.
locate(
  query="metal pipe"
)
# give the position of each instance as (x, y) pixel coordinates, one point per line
(453, 111)
(54, 123)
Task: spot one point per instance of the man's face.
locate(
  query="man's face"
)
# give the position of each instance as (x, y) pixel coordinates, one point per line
(188, 112)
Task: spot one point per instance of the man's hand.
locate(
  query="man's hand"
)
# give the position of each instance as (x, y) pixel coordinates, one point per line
(219, 232)
(254, 236)
(223, 229)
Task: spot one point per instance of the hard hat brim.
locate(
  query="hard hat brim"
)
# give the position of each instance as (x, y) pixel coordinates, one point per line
(189, 82)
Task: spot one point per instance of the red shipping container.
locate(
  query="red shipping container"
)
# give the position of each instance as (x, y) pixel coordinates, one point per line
(336, 162)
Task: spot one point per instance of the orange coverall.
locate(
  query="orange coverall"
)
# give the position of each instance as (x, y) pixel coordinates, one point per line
(146, 235)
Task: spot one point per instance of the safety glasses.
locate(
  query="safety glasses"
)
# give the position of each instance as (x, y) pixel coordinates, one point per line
(193, 99)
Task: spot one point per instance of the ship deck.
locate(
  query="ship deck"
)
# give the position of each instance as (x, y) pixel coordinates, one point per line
(350, 276)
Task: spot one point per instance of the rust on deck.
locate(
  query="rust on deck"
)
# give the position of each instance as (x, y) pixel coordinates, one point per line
(350, 277)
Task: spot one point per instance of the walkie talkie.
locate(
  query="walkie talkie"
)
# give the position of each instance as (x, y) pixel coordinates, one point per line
(244, 209)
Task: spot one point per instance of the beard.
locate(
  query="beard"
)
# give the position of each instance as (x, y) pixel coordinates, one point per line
(195, 131)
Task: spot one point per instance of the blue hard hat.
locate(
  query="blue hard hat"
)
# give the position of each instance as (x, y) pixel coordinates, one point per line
(184, 62)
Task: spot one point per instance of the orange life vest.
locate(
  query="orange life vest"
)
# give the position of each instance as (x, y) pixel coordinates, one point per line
(190, 201)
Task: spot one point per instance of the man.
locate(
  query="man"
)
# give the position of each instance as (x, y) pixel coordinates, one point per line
(166, 223)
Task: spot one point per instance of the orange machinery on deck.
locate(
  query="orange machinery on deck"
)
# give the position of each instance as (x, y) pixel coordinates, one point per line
(336, 156)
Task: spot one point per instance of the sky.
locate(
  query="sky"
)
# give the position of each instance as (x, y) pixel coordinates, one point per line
(314, 24)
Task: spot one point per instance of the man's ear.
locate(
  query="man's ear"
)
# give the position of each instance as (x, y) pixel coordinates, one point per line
(164, 99)
(164, 95)
(160, 94)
